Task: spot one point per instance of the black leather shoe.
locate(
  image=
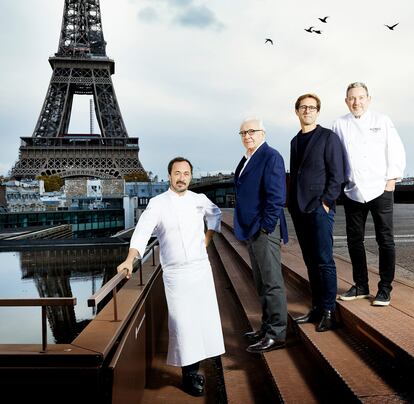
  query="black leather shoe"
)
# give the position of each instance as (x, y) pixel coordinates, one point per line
(328, 321)
(265, 345)
(254, 336)
(193, 384)
(313, 315)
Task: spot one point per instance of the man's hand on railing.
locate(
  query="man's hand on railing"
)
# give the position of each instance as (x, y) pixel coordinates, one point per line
(128, 264)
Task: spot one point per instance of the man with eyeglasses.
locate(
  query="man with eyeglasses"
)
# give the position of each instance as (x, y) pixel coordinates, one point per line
(316, 176)
(260, 183)
(375, 162)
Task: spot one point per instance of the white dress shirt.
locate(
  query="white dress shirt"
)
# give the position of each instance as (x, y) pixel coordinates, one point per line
(374, 154)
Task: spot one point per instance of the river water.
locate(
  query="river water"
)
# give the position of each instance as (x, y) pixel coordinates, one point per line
(75, 272)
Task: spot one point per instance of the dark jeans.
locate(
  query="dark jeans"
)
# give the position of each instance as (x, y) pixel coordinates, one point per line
(314, 231)
(264, 251)
(356, 213)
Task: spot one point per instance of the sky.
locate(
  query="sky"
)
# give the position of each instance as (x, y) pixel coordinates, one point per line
(187, 72)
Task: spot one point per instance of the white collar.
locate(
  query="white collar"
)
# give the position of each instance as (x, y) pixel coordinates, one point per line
(174, 194)
(247, 155)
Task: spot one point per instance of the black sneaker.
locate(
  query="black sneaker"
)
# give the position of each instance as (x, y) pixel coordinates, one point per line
(382, 298)
(355, 292)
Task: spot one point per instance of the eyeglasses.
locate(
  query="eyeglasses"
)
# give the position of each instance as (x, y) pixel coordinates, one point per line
(310, 108)
(249, 132)
(360, 98)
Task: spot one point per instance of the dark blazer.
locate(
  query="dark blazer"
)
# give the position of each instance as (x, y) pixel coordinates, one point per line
(260, 194)
(320, 174)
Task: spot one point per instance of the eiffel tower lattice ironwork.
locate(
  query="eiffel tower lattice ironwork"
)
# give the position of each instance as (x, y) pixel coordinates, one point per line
(80, 66)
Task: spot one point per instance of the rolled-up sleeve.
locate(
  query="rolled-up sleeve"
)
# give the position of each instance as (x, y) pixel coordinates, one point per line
(212, 215)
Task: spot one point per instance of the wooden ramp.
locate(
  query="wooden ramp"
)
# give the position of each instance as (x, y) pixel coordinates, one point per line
(370, 358)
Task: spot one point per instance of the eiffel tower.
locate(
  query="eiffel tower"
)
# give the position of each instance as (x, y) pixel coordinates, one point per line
(80, 66)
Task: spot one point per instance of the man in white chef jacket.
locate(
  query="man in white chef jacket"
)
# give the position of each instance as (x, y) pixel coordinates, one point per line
(177, 217)
(375, 160)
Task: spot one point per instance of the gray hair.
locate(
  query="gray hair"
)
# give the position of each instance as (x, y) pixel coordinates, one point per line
(254, 118)
(355, 85)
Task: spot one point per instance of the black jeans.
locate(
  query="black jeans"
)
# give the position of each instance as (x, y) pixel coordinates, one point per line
(314, 231)
(356, 213)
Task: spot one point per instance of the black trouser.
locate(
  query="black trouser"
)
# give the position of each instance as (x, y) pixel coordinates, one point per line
(356, 213)
(190, 369)
(264, 251)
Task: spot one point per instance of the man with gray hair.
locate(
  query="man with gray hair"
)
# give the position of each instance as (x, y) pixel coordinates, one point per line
(260, 183)
(375, 162)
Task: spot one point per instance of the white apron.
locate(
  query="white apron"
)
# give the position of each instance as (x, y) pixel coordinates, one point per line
(193, 317)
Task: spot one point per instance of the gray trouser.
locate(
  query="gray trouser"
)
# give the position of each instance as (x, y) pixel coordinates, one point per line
(264, 251)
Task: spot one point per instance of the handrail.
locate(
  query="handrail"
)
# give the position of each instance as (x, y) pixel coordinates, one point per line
(112, 284)
(43, 302)
(41, 232)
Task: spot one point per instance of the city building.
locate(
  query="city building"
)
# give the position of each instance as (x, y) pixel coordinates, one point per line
(23, 196)
(144, 191)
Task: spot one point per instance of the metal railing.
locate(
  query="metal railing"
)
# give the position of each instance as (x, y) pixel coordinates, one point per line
(112, 284)
(43, 302)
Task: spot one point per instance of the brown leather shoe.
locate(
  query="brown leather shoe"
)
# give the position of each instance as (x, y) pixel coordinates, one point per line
(265, 345)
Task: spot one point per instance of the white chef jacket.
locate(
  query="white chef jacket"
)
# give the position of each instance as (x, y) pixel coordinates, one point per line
(193, 317)
(374, 154)
(178, 222)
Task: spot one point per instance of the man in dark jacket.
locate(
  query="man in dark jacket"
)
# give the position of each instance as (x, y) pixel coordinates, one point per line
(316, 175)
(260, 182)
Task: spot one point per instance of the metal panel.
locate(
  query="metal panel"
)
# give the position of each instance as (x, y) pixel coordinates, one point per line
(127, 367)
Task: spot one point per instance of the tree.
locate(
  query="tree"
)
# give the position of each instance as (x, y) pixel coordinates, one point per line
(136, 176)
(52, 182)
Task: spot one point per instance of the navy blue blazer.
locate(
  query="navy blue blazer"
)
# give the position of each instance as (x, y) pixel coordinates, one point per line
(260, 194)
(320, 174)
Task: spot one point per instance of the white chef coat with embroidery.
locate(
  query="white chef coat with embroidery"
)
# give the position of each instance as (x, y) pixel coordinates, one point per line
(374, 154)
(178, 222)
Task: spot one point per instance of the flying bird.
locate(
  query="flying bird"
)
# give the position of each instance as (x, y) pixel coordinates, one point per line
(392, 26)
(324, 19)
(317, 31)
(269, 40)
(309, 29)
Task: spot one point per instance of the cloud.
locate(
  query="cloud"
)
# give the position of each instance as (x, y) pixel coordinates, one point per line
(182, 13)
(179, 3)
(148, 14)
(198, 17)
